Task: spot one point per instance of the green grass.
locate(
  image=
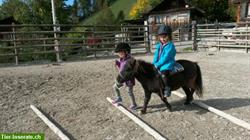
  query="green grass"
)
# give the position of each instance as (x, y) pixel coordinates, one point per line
(124, 5)
(119, 5)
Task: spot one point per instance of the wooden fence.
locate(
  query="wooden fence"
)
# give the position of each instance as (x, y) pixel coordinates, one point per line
(224, 36)
(21, 43)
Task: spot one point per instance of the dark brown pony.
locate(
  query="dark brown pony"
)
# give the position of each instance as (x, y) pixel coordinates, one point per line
(190, 80)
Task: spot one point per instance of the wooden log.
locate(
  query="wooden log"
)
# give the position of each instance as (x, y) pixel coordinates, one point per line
(224, 115)
(139, 121)
(49, 123)
(218, 112)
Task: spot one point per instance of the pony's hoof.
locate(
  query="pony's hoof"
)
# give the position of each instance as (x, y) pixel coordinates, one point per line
(187, 103)
(142, 112)
(168, 110)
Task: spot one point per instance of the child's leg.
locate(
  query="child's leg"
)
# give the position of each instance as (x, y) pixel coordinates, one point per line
(167, 90)
(116, 89)
(131, 95)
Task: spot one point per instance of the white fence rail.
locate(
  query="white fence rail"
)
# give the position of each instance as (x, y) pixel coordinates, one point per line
(224, 35)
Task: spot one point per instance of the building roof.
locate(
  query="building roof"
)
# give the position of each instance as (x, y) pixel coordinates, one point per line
(8, 20)
(237, 1)
(168, 6)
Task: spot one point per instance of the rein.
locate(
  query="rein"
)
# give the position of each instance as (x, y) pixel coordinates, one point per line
(136, 66)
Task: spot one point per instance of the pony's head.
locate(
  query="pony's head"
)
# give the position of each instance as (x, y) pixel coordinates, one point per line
(129, 69)
(137, 68)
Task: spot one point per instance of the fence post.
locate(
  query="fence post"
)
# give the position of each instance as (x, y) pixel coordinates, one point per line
(44, 49)
(217, 26)
(15, 45)
(194, 28)
(84, 47)
(247, 37)
(93, 37)
(56, 47)
(146, 38)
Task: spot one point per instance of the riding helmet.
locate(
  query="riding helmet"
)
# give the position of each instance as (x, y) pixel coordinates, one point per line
(123, 47)
(165, 30)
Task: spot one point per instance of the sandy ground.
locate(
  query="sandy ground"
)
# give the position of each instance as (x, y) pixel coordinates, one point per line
(74, 96)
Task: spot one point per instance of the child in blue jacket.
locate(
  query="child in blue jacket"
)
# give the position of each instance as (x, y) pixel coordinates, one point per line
(164, 56)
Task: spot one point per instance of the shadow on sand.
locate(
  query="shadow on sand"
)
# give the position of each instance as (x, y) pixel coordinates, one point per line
(220, 103)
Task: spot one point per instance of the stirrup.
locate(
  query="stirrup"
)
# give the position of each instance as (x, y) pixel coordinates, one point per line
(167, 92)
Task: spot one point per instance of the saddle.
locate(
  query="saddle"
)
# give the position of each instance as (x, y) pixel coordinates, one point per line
(177, 68)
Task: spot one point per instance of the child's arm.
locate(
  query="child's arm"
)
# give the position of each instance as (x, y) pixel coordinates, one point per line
(155, 59)
(117, 64)
(168, 54)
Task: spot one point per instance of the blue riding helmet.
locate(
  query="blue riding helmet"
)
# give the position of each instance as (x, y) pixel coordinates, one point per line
(164, 30)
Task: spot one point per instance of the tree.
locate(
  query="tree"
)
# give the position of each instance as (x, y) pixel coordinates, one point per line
(85, 8)
(214, 9)
(120, 17)
(17, 9)
(154, 3)
(140, 7)
(106, 18)
(34, 11)
(41, 12)
(232, 12)
(101, 4)
(62, 11)
(74, 12)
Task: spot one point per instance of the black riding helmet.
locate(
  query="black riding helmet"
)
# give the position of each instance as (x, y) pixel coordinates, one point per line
(165, 30)
(123, 47)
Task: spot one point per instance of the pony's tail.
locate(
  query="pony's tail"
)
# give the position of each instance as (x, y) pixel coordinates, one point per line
(198, 81)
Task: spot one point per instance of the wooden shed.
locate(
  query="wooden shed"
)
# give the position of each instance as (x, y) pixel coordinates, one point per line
(175, 13)
(6, 21)
(243, 10)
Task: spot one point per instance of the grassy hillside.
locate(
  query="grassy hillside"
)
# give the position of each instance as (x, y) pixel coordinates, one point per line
(119, 5)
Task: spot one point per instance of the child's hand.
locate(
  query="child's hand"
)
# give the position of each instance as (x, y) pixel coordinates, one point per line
(157, 69)
(117, 63)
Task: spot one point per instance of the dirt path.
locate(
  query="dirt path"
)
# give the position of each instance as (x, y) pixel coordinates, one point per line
(74, 95)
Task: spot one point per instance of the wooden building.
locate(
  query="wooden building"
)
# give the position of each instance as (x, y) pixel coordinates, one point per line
(175, 13)
(6, 21)
(243, 10)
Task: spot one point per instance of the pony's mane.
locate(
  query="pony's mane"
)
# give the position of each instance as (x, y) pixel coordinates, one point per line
(146, 68)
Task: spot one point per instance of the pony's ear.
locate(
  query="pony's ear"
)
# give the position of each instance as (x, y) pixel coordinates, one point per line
(133, 62)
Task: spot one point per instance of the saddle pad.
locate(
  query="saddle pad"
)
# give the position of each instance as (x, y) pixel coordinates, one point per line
(177, 68)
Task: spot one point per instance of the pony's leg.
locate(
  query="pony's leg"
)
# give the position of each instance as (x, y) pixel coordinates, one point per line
(146, 100)
(164, 99)
(189, 93)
